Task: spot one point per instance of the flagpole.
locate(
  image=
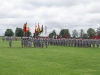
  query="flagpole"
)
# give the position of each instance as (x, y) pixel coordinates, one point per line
(35, 31)
(45, 30)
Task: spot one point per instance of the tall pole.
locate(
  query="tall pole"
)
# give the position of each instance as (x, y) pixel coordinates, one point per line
(45, 30)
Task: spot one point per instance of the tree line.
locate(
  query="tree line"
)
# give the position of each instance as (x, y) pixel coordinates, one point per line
(90, 33)
(18, 32)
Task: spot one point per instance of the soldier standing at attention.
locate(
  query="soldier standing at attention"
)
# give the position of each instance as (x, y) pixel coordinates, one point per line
(41, 42)
(46, 42)
(97, 43)
(93, 42)
(22, 44)
(10, 42)
(34, 42)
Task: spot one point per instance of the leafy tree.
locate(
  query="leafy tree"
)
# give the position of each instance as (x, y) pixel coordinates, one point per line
(19, 32)
(75, 33)
(98, 32)
(9, 32)
(52, 34)
(85, 36)
(91, 32)
(81, 33)
(64, 33)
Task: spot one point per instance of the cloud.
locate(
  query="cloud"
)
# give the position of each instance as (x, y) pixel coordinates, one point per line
(55, 14)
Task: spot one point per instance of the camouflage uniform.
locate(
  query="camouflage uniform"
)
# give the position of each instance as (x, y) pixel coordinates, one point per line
(10, 42)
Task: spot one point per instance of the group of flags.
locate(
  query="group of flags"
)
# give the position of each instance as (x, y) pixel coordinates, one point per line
(38, 29)
(25, 28)
(95, 37)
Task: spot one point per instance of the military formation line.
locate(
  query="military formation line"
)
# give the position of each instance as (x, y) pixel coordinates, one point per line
(75, 42)
(28, 41)
(41, 42)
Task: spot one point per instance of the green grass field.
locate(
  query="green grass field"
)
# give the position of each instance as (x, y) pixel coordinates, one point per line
(54, 60)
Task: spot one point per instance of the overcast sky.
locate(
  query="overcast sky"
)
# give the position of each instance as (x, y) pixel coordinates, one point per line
(55, 14)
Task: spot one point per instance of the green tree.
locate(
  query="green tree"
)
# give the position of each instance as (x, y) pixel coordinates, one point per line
(75, 33)
(98, 32)
(91, 32)
(85, 36)
(9, 32)
(19, 32)
(52, 34)
(64, 33)
(81, 33)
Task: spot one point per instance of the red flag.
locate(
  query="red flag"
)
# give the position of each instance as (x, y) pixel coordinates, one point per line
(93, 37)
(25, 28)
(96, 36)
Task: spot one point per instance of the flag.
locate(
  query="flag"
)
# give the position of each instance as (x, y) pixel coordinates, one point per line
(96, 37)
(93, 37)
(38, 29)
(42, 28)
(35, 29)
(25, 28)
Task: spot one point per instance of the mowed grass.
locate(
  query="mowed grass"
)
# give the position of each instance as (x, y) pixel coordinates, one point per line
(54, 60)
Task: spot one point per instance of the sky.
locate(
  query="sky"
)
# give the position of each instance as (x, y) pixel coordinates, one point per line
(54, 14)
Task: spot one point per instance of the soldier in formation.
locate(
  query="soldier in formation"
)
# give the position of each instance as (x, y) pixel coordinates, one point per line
(3, 38)
(10, 42)
(46, 42)
(41, 42)
(75, 42)
(26, 42)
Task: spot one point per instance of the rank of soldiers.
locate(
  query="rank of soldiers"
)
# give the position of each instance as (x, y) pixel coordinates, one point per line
(27, 41)
(75, 42)
(41, 42)
(37, 42)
